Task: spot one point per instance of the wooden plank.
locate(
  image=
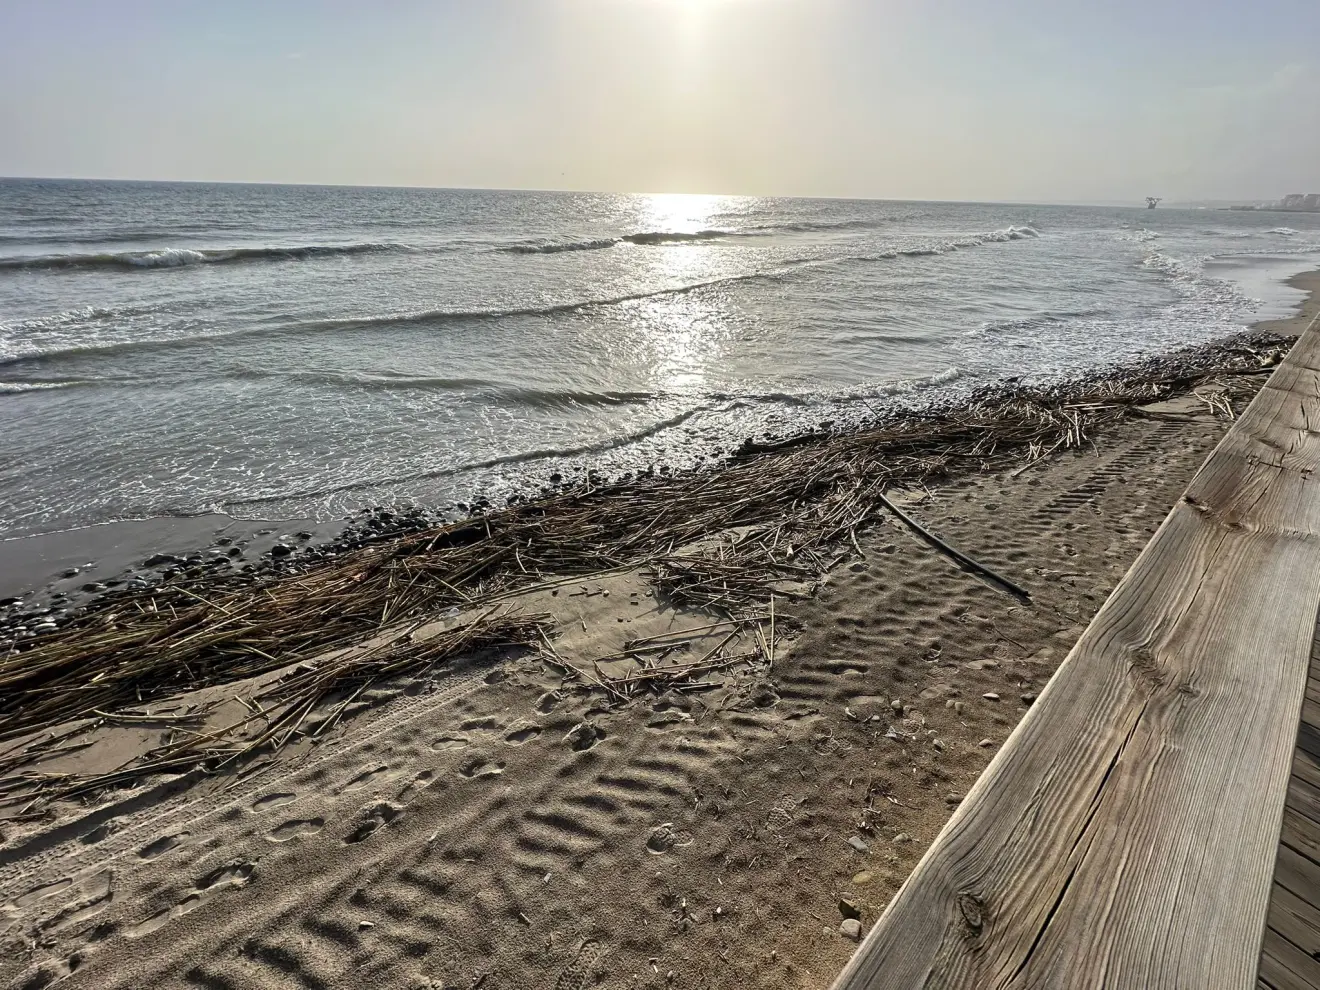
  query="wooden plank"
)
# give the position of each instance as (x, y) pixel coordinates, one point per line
(1297, 872)
(1304, 797)
(1285, 966)
(1125, 834)
(1306, 766)
(1295, 919)
(1308, 735)
(1301, 833)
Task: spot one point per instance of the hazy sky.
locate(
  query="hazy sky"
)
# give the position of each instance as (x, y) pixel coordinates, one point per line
(1038, 100)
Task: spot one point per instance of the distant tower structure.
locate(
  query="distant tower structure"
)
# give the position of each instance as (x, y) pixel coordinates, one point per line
(1152, 202)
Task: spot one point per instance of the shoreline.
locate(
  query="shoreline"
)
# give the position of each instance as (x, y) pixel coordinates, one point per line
(811, 492)
(50, 579)
(36, 571)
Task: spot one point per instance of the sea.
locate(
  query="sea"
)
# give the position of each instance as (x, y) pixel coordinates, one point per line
(281, 352)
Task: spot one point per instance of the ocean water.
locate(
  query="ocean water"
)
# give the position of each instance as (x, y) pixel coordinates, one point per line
(280, 352)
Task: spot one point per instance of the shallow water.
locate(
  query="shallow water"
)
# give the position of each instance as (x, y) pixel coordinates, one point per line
(299, 351)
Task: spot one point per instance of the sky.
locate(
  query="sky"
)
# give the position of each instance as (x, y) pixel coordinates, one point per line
(989, 100)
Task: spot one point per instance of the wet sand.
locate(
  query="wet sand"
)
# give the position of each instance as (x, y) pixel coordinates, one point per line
(494, 825)
(35, 567)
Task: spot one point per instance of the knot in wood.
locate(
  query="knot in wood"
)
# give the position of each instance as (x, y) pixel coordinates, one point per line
(1144, 666)
(972, 910)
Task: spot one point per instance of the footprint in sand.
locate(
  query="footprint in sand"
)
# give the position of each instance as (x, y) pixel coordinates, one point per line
(41, 892)
(225, 878)
(487, 723)
(271, 801)
(373, 818)
(295, 829)
(365, 777)
(94, 897)
(159, 847)
(665, 837)
(449, 742)
(521, 734)
(98, 834)
(475, 768)
(583, 736)
(418, 783)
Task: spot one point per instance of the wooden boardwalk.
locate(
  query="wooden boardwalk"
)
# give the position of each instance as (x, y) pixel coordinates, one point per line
(1132, 832)
(1288, 959)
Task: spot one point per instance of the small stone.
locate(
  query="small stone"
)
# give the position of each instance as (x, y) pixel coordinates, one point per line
(280, 550)
(897, 705)
(366, 924)
(950, 703)
(953, 799)
(848, 908)
(1028, 698)
(990, 696)
(938, 744)
(71, 572)
(851, 928)
(863, 878)
(858, 843)
(901, 838)
(986, 743)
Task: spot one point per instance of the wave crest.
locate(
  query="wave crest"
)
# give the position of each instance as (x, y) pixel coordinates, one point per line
(646, 238)
(179, 257)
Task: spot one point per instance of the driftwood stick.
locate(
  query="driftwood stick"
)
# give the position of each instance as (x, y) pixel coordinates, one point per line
(956, 554)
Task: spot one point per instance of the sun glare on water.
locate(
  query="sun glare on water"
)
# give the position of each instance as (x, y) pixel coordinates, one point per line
(685, 213)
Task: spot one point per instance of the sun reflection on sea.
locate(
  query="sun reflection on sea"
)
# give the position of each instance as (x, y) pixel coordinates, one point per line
(684, 333)
(686, 213)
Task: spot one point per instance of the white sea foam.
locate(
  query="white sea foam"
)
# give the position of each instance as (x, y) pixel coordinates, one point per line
(17, 388)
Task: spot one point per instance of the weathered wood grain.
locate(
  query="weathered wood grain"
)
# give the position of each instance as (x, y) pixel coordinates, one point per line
(1283, 966)
(1125, 835)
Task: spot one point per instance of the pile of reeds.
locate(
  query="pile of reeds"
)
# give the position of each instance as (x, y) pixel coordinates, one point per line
(306, 702)
(723, 539)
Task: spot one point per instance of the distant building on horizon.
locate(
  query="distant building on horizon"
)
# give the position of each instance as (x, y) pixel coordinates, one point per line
(1292, 203)
(1297, 201)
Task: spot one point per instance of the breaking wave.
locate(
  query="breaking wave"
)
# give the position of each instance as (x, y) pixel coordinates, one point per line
(18, 388)
(423, 318)
(179, 257)
(649, 238)
(478, 388)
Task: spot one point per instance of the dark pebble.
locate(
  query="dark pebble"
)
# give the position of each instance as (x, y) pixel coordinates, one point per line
(280, 550)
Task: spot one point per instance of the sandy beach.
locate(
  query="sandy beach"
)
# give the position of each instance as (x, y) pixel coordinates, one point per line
(568, 817)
